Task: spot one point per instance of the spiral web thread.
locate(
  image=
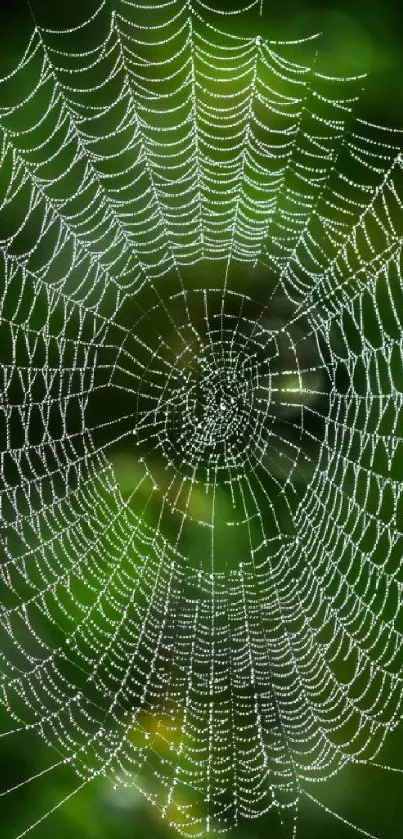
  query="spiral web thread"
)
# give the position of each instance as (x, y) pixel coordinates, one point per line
(218, 189)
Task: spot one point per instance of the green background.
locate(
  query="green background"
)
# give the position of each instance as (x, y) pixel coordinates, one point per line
(356, 37)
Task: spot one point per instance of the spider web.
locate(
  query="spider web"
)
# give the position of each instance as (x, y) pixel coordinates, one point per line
(201, 413)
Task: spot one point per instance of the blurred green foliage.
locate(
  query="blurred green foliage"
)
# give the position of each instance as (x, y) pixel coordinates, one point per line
(356, 37)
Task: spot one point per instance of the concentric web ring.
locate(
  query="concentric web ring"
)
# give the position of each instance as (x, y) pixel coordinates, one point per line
(201, 414)
(223, 390)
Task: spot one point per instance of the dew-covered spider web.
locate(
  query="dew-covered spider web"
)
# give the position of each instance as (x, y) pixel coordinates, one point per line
(201, 412)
